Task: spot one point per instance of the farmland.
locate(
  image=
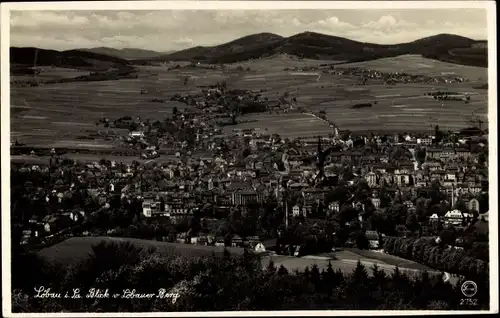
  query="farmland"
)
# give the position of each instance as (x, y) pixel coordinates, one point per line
(51, 73)
(415, 64)
(57, 114)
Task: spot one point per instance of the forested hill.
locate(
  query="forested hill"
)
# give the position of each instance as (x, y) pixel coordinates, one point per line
(445, 47)
(31, 56)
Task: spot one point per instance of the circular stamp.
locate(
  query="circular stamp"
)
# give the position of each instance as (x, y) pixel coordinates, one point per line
(469, 288)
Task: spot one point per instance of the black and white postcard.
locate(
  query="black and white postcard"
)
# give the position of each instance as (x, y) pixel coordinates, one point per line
(241, 158)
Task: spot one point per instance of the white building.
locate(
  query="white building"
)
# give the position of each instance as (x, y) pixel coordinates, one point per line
(474, 205)
(371, 179)
(424, 141)
(334, 206)
(136, 134)
(260, 248)
(297, 211)
(455, 217)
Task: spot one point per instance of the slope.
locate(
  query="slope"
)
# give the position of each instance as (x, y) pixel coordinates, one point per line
(126, 53)
(29, 56)
(327, 47)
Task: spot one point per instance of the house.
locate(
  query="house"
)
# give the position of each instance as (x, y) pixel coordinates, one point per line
(150, 207)
(455, 217)
(463, 153)
(473, 205)
(447, 153)
(55, 223)
(298, 211)
(373, 239)
(200, 240)
(371, 179)
(76, 216)
(402, 177)
(376, 202)
(136, 134)
(432, 165)
(260, 248)
(220, 242)
(434, 154)
(434, 218)
(485, 216)
(236, 241)
(334, 206)
(424, 141)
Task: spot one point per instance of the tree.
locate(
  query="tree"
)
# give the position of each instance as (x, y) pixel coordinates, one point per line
(448, 236)
(438, 134)
(398, 213)
(361, 241)
(346, 214)
(420, 155)
(461, 206)
(482, 159)
(412, 222)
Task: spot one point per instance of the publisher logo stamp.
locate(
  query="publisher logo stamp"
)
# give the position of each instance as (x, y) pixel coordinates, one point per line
(469, 288)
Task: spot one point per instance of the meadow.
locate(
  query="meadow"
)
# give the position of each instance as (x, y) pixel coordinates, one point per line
(56, 114)
(76, 249)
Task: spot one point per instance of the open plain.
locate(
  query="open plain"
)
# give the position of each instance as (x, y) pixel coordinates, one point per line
(57, 114)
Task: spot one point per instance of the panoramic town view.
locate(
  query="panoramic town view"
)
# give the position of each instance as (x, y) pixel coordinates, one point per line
(225, 160)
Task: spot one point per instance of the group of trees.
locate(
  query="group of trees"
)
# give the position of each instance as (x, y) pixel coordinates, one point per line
(427, 252)
(217, 283)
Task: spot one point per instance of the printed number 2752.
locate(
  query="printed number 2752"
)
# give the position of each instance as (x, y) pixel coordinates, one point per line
(468, 302)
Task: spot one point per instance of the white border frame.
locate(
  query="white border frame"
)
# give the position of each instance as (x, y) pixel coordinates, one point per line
(246, 5)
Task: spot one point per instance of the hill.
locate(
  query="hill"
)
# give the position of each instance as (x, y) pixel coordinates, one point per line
(233, 51)
(320, 46)
(126, 53)
(24, 58)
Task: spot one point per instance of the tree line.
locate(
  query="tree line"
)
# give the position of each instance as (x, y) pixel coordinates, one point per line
(223, 282)
(427, 252)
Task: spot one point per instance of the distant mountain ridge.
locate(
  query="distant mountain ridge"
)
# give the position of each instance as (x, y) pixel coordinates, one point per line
(321, 46)
(31, 56)
(127, 53)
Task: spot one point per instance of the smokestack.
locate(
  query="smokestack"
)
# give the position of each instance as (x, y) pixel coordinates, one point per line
(286, 214)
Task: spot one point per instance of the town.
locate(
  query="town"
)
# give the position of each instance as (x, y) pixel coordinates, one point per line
(255, 190)
(250, 160)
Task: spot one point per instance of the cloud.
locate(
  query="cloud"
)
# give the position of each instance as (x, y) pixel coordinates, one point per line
(388, 22)
(183, 41)
(178, 29)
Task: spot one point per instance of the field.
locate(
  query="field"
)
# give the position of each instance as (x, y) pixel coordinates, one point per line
(52, 73)
(415, 64)
(57, 114)
(77, 249)
(279, 62)
(87, 158)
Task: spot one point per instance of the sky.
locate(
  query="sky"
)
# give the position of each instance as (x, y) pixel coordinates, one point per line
(169, 30)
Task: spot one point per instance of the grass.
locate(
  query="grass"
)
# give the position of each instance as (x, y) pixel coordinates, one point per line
(388, 259)
(77, 249)
(62, 112)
